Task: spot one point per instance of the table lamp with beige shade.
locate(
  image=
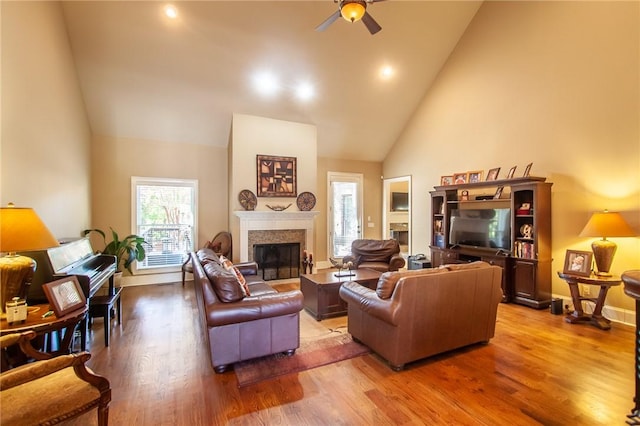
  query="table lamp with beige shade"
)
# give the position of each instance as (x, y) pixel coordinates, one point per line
(20, 230)
(605, 224)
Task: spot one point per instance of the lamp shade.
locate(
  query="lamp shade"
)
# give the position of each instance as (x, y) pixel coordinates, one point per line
(22, 230)
(353, 10)
(607, 224)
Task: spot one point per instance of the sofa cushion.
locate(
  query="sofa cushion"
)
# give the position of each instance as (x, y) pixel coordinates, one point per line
(462, 266)
(228, 265)
(387, 281)
(207, 255)
(224, 283)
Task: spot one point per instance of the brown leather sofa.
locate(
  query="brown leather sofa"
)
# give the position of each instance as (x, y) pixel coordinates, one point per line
(240, 327)
(381, 255)
(416, 314)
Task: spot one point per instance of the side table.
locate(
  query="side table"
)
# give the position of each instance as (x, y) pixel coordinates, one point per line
(65, 325)
(578, 316)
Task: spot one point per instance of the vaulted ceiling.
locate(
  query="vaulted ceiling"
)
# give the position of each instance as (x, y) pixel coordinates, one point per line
(146, 76)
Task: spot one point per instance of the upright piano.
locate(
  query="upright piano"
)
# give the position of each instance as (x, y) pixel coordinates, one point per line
(72, 258)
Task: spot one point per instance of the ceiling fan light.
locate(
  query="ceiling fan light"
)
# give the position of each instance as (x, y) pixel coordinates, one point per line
(353, 11)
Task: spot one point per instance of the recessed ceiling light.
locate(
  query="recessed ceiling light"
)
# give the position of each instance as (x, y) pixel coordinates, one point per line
(305, 91)
(171, 11)
(266, 83)
(386, 72)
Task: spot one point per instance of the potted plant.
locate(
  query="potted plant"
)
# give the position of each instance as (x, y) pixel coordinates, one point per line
(126, 250)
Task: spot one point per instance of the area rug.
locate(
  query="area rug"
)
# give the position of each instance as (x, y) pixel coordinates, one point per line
(309, 355)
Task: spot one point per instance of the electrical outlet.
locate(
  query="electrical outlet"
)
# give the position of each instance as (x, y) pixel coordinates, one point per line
(586, 290)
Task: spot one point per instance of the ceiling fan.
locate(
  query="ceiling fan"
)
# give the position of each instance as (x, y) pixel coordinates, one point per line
(352, 11)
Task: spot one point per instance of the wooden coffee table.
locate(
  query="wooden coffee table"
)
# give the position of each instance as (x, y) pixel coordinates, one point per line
(321, 298)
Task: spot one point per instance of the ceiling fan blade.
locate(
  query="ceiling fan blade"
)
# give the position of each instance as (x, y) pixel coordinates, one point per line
(330, 20)
(371, 23)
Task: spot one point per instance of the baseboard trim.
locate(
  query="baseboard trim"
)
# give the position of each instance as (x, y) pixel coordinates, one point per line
(615, 314)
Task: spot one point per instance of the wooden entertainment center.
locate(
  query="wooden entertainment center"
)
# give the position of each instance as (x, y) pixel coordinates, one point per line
(521, 244)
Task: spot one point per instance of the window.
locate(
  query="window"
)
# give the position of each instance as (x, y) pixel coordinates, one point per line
(165, 215)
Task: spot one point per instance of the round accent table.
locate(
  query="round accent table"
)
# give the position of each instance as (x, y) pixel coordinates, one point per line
(578, 315)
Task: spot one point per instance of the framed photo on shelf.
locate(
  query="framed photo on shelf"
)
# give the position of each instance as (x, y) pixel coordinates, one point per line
(498, 193)
(475, 176)
(512, 171)
(578, 262)
(276, 176)
(459, 178)
(64, 295)
(527, 170)
(492, 174)
(446, 180)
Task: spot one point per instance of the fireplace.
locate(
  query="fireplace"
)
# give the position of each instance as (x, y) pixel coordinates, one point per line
(270, 227)
(277, 261)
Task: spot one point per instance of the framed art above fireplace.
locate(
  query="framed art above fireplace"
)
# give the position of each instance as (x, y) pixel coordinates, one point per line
(276, 176)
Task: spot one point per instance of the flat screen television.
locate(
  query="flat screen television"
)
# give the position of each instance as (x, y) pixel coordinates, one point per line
(399, 201)
(482, 228)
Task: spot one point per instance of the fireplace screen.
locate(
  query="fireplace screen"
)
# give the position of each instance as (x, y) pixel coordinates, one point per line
(277, 261)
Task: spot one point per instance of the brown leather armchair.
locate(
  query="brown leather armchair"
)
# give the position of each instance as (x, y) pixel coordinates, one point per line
(381, 255)
(51, 389)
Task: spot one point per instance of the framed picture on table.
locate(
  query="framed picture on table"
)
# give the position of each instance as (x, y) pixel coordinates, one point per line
(577, 262)
(64, 295)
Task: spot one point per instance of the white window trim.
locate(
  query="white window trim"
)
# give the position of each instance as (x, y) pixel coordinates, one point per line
(140, 180)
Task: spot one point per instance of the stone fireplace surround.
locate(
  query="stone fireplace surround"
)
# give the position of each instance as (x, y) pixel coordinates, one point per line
(280, 227)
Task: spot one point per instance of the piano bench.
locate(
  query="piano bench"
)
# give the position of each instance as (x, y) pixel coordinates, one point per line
(101, 306)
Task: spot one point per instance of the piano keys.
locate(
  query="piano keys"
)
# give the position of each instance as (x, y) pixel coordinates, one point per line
(72, 258)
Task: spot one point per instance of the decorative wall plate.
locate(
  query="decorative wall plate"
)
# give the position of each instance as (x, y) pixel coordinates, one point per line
(247, 199)
(306, 201)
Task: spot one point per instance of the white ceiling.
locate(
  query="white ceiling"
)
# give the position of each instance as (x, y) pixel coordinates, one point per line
(144, 76)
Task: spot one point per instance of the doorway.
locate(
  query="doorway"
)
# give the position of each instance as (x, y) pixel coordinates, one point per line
(396, 212)
(344, 212)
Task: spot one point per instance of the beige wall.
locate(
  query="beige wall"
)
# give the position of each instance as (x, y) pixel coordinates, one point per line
(553, 83)
(45, 134)
(115, 161)
(253, 135)
(372, 195)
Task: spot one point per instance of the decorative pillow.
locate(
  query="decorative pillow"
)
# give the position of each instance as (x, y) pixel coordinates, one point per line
(228, 265)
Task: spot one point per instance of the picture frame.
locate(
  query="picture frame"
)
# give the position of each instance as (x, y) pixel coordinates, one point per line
(276, 176)
(498, 193)
(577, 262)
(527, 170)
(492, 174)
(64, 295)
(475, 176)
(512, 171)
(446, 180)
(460, 178)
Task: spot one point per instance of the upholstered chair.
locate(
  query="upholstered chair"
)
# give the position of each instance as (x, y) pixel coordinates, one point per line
(381, 255)
(50, 389)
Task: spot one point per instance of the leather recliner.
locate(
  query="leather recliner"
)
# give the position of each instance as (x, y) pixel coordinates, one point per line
(381, 255)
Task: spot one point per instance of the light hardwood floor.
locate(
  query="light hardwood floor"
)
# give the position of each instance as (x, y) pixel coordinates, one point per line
(537, 370)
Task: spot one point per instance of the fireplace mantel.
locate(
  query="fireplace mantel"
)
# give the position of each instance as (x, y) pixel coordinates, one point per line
(270, 220)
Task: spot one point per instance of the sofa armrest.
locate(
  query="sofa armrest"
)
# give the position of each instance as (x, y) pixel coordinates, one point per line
(255, 307)
(368, 301)
(396, 262)
(247, 268)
